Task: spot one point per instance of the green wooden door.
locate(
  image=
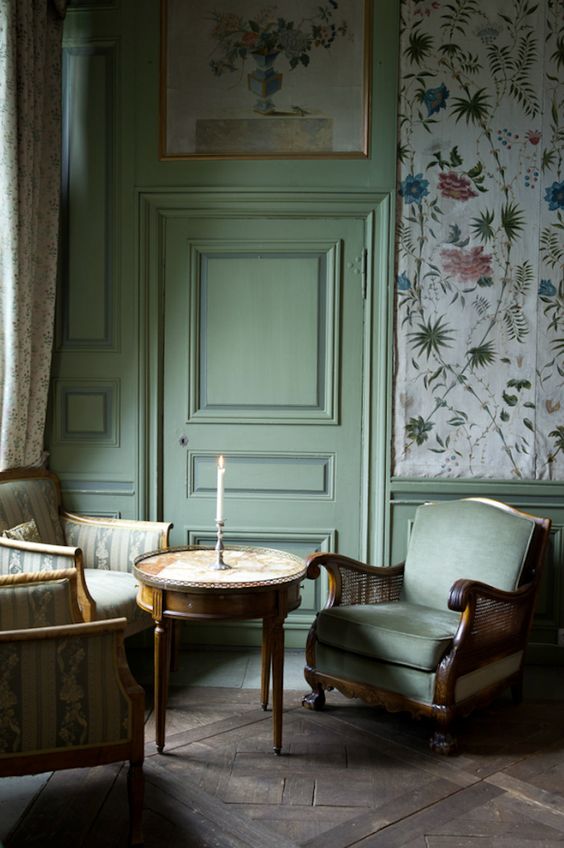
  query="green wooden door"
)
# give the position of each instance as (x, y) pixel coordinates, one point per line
(263, 341)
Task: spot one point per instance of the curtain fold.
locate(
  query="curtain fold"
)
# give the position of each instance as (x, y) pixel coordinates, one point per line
(30, 156)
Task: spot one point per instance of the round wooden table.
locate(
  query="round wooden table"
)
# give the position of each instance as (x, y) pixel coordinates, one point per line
(181, 584)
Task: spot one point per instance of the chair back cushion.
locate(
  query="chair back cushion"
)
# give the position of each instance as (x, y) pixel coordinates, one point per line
(463, 539)
(34, 498)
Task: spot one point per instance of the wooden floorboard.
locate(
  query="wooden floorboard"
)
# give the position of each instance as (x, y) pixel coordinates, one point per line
(348, 776)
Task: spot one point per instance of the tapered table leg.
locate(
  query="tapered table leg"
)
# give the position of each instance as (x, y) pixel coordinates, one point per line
(266, 654)
(162, 667)
(277, 641)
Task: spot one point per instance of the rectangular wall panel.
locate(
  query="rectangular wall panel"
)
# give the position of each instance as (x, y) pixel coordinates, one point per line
(88, 242)
(267, 475)
(264, 331)
(87, 412)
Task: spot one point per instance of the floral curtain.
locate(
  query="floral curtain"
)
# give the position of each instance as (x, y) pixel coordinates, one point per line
(30, 81)
(479, 367)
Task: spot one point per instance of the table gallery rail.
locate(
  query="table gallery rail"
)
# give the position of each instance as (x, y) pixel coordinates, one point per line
(182, 584)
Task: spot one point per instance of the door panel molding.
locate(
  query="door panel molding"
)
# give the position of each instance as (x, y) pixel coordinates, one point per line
(161, 209)
(310, 335)
(267, 475)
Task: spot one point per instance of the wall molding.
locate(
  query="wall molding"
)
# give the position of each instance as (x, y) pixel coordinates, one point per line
(101, 195)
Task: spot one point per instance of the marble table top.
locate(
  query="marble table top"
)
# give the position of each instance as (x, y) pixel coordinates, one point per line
(191, 567)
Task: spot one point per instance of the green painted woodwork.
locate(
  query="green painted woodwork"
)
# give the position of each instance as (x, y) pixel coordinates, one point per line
(128, 216)
(272, 363)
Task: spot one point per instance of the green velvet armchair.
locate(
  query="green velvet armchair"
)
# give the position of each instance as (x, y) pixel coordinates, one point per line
(67, 697)
(441, 634)
(36, 535)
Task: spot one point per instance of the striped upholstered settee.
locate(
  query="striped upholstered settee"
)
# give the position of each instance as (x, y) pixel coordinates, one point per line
(36, 535)
(68, 698)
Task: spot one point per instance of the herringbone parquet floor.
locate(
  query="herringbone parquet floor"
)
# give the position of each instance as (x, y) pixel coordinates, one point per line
(348, 776)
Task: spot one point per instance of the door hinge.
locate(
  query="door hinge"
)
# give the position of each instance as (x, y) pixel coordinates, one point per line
(364, 273)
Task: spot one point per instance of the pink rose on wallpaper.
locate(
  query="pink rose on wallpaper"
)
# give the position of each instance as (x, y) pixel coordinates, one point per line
(469, 265)
(455, 186)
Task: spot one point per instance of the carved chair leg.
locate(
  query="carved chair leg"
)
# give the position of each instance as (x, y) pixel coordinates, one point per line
(444, 739)
(316, 698)
(135, 790)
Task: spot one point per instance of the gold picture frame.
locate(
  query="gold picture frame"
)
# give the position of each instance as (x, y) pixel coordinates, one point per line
(243, 80)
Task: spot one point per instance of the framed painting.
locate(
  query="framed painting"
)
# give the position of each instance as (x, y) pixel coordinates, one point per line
(244, 79)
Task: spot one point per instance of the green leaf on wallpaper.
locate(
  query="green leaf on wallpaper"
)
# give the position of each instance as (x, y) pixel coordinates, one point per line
(504, 415)
(454, 234)
(512, 220)
(506, 360)
(481, 305)
(519, 384)
(482, 355)
(482, 226)
(530, 405)
(474, 110)
(558, 344)
(558, 55)
(451, 50)
(515, 322)
(558, 434)
(417, 429)
(470, 64)
(551, 251)
(524, 275)
(548, 159)
(500, 59)
(431, 337)
(528, 423)
(510, 400)
(485, 282)
(419, 47)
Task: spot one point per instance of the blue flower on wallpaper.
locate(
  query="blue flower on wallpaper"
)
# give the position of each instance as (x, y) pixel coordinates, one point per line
(435, 99)
(555, 196)
(546, 289)
(403, 282)
(414, 188)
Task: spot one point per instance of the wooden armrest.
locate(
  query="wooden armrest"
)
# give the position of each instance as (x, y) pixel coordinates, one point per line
(493, 620)
(65, 630)
(353, 582)
(40, 548)
(38, 557)
(464, 591)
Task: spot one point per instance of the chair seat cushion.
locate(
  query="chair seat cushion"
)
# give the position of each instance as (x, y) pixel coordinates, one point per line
(406, 634)
(115, 594)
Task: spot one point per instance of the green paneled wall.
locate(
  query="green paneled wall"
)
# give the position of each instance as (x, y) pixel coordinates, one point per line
(105, 437)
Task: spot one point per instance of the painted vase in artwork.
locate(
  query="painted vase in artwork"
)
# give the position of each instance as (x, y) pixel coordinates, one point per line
(264, 81)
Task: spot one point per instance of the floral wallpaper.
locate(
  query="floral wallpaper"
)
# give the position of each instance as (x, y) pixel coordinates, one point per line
(479, 366)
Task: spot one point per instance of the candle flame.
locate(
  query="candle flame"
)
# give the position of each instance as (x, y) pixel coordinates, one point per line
(221, 463)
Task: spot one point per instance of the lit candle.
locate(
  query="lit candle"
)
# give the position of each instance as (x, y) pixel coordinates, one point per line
(220, 488)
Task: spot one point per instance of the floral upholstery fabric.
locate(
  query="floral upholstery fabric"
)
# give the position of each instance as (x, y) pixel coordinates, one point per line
(26, 532)
(110, 546)
(60, 692)
(14, 561)
(34, 498)
(35, 605)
